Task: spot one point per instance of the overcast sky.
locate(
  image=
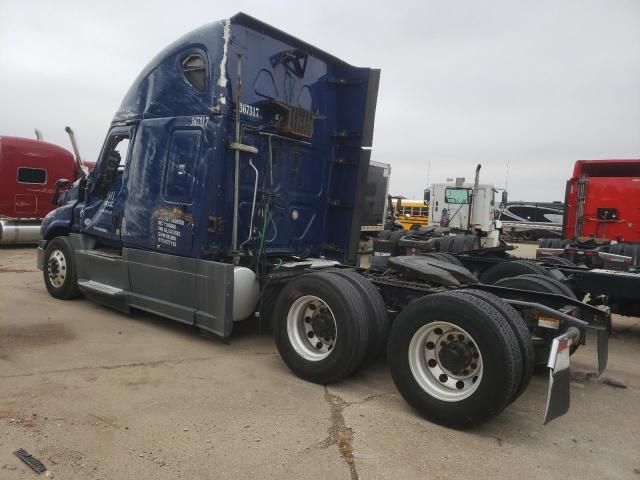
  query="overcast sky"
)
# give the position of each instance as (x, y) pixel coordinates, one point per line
(533, 84)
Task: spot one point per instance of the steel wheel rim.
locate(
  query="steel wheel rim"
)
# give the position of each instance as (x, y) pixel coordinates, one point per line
(57, 268)
(429, 370)
(306, 315)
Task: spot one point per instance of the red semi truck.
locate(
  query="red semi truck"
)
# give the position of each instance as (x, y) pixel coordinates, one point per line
(30, 171)
(603, 201)
(601, 230)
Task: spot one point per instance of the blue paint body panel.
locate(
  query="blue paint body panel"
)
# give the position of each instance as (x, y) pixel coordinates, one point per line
(175, 192)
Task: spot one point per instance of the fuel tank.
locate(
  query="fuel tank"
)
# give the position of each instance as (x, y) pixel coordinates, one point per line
(19, 231)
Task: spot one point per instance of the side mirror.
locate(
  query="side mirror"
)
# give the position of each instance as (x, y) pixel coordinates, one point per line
(427, 196)
(503, 201)
(59, 185)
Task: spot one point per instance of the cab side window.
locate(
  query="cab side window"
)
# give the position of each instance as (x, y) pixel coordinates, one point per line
(32, 175)
(112, 163)
(122, 148)
(194, 69)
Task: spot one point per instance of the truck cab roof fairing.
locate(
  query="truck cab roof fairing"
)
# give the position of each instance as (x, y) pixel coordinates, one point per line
(161, 90)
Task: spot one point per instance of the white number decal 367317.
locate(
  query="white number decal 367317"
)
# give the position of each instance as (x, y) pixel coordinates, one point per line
(199, 121)
(249, 110)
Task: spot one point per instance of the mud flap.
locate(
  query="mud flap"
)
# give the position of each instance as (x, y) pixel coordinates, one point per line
(603, 350)
(558, 397)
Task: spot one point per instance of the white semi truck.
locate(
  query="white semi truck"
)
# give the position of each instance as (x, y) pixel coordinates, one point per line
(465, 208)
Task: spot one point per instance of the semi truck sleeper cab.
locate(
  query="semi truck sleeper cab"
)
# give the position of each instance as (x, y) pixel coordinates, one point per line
(232, 182)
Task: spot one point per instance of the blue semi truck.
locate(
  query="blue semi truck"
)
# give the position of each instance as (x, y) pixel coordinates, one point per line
(231, 185)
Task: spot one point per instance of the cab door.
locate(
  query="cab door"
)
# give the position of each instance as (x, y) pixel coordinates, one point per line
(106, 192)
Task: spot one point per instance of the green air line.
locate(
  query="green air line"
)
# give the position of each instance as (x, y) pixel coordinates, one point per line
(264, 227)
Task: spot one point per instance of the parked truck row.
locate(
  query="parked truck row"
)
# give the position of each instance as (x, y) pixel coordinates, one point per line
(30, 170)
(598, 254)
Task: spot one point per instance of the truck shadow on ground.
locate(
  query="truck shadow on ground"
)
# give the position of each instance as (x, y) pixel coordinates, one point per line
(626, 332)
(242, 330)
(20, 337)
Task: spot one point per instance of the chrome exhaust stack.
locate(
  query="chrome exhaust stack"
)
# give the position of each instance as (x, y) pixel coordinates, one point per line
(76, 152)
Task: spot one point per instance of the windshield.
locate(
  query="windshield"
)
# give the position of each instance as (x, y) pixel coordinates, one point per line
(457, 195)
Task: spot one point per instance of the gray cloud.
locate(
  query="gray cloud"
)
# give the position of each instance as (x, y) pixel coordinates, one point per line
(537, 84)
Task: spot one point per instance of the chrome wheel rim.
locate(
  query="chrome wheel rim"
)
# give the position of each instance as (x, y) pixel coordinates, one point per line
(445, 361)
(57, 268)
(311, 327)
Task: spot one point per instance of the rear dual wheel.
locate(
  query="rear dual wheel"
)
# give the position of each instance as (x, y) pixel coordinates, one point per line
(559, 261)
(376, 312)
(553, 242)
(510, 269)
(537, 283)
(543, 284)
(323, 325)
(519, 329)
(456, 359)
(461, 242)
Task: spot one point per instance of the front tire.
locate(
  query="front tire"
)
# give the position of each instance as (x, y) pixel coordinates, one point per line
(59, 271)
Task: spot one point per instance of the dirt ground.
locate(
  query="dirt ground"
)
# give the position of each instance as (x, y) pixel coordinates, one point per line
(97, 394)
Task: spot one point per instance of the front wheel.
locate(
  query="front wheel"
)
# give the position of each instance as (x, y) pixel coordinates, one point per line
(454, 359)
(59, 271)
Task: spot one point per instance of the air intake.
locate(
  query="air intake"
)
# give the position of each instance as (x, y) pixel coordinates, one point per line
(293, 120)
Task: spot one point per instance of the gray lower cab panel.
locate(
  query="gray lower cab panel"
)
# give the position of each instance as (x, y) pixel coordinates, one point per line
(191, 291)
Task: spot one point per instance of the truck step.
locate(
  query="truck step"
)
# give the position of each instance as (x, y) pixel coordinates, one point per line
(101, 288)
(110, 254)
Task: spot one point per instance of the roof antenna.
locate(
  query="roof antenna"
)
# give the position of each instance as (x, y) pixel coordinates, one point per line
(39, 135)
(506, 180)
(428, 173)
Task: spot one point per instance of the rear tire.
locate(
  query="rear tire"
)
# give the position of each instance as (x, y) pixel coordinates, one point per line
(459, 242)
(321, 327)
(544, 243)
(446, 243)
(470, 323)
(445, 257)
(558, 287)
(471, 242)
(59, 271)
(510, 269)
(376, 312)
(519, 328)
(452, 259)
(559, 261)
(542, 284)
